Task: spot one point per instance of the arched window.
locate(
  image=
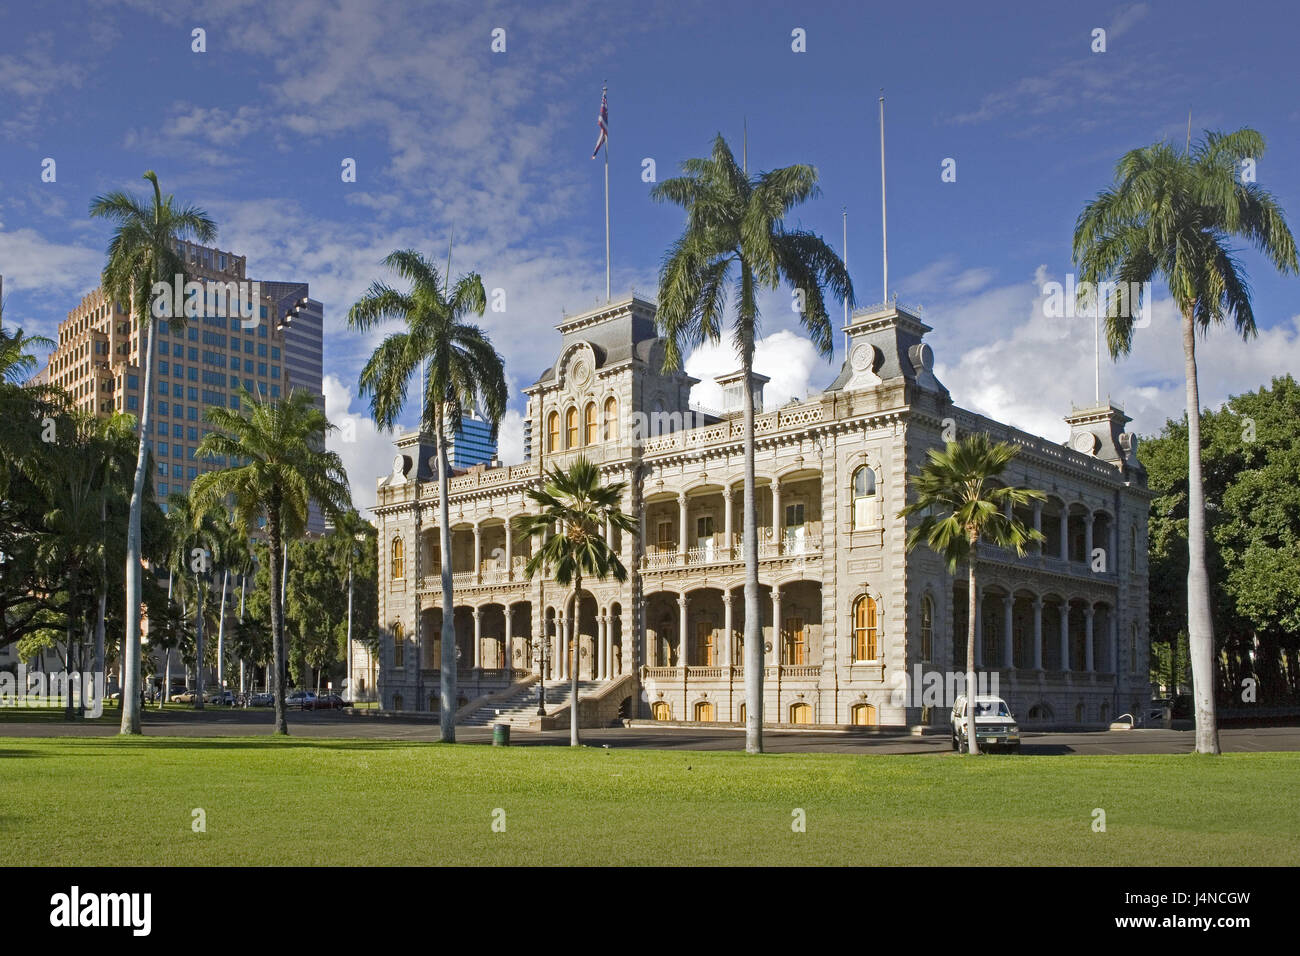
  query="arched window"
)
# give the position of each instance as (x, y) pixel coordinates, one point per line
(864, 715)
(611, 419)
(399, 558)
(571, 427)
(661, 710)
(397, 702)
(864, 499)
(704, 711)
(553, 432)
(927, 628)
(399, 645)
(591, 436)
(742, 713)
(1133, 548)
(800, 713)
(864, 629)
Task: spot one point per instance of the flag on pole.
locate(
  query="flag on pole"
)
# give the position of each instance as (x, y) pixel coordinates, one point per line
(602, 121)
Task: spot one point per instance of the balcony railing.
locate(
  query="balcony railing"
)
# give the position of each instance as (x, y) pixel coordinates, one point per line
(716, 551)
(736, 672)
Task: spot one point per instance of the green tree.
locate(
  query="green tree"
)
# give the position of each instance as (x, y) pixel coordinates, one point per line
(461, 371)
(575, 508)
(960, 502)
(198, 537)
(285, 469)
(1172, 215)
(736, 241)
(141, 253)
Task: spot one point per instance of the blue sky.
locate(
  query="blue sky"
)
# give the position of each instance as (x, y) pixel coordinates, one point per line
(445, 131)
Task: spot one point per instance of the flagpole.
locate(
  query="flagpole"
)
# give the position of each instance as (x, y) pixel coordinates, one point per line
(884, 230)
(607, 261)
(845, 212)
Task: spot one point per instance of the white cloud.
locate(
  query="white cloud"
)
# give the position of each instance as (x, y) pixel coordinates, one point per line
(510, 438)
(788, 358)
(369, 452)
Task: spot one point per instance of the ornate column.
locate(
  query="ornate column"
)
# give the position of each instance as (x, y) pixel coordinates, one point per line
(478, 640)
(778, 521)
(509, 651)
(478, 553)
(1065, 532)
(561, 644)
(1038, 633)
(1112, 625)
(683, 636)
(1087, 538)
(510, 570)
(601, 628)
(1087, 639)
(681, 527)
(1038, 522)
(727, 655)
(1065, 635)
(728, 533)
(776, 627)
(1008, 632)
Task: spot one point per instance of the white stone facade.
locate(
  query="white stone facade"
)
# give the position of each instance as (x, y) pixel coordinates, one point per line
(1064, 629)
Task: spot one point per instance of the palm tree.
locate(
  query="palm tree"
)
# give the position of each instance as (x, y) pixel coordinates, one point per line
(463, 371)
(575, 511)
(1171, 215)
(960, 506)
(285, 469)
(142, 252)
(197, 542)
(735, 220)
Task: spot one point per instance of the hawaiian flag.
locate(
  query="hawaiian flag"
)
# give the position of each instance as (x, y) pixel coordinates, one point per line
(603, 122)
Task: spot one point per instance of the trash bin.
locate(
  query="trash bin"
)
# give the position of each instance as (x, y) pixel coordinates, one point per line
(500, 735)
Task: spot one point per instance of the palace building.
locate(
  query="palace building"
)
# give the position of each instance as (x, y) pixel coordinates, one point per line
(847, 611)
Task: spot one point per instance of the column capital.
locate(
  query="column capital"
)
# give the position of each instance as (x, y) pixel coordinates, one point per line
(1038, 602)
(726, 492)
(726, 597)
(1088, 611)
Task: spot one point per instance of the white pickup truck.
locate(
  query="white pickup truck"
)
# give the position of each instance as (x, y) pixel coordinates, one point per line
(994, 724)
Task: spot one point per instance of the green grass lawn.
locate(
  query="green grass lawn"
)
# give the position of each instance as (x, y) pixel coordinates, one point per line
(96, 801)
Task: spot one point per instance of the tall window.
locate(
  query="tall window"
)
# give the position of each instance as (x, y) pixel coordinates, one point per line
(864, 498)
(927, 628)
(399, 645)
(796, 644)
(800, 713)
(571, 427)
(704, 711)
(661, 710)
(553, 432)
(399, 558)
(865, 630)
(590, 434)
(611, 419)
(864, 715)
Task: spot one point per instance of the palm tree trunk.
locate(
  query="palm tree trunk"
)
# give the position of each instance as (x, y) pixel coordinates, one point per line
(198, 644)
(277, 619)
(753, 618)
(134, 568)
(221, 634)
(102, 608)
(67, 674)
(573, 665)
(447, 711)
(970, 648)
(1200, 625)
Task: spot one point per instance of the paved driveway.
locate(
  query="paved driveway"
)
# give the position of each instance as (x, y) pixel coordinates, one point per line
(217, 723)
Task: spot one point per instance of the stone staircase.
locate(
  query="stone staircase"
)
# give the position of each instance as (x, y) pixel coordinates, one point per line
(521, 707)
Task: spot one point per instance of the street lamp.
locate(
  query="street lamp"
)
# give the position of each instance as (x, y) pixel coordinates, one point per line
(539, 655)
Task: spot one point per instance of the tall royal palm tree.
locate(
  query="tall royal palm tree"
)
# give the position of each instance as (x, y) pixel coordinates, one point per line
(961, 503)
(462, 371)
(286, 468)
(736, 242)
(575, 510)
(1172, 215)
(142, 252)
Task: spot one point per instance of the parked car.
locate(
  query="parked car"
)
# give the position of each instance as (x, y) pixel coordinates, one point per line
(261, 700)
(182, 697)
(328, 702)
(222, 698)
(300, 700)
(995, 726)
